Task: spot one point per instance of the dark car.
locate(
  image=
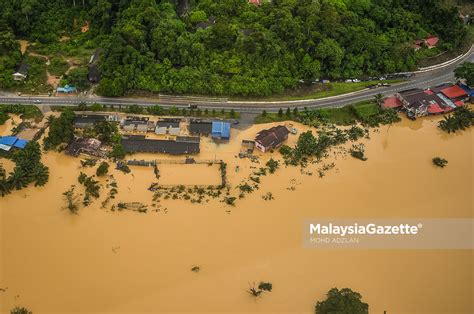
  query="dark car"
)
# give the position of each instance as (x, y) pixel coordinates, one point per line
(192, 106)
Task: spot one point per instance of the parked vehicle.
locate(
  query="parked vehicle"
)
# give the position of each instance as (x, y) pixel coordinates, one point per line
(236, 122)
(192, 106)
(348, 81)
(356, 80)
(37, 101)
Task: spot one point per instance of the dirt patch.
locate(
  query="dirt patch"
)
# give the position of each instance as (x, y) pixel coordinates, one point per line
(23, 45)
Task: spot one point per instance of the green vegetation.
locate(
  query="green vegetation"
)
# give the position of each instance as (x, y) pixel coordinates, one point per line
(342, 301)
(367, 113)
(153, 110)
(58, 66)
(465, 72)
(20, 310)
(440, 162)
(28, 169)
(117, 151)
(61, 130)
(92, 188)
(24, 111)
(103, 169)
(309, 146)
(248, 51)
(72, 200)
(262, 287)
(461, 119)
(357, 151)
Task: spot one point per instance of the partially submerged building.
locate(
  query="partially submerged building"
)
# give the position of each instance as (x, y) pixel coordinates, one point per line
(271, 138)
(85, 121)
(220, 130)
(167, 126)
(82, 145)
(200, 127)
(180, 146)
(137, 124)
(435, 100)
(7, 143)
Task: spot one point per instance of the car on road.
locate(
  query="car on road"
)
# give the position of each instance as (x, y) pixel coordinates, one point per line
(37, 101)
(192, 106)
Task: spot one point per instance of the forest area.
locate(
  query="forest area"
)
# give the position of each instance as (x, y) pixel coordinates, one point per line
(223, 47)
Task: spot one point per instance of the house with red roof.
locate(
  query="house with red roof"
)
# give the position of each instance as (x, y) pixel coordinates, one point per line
(256, 2)
(431, 41)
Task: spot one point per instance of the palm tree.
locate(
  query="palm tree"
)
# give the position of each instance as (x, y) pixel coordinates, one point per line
(40, 175)
(448, 124)
(5, 187)
(379, 99)
(18, 178)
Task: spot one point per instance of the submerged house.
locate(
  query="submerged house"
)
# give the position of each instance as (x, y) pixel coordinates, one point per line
(137, 124)
(271, 138)
(81, 145)
(180, 146)
(220, 130)
(85, 121)
(7, 143)
(200, 127)
(21, 73)
(167, 126)
(435, 100)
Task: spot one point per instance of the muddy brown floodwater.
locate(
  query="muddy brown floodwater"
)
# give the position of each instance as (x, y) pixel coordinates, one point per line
(126, 262)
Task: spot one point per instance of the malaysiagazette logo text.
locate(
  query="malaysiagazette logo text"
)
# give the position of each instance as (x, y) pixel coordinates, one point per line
(363, 229)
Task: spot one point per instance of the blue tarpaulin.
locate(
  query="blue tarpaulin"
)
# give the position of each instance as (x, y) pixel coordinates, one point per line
(7, 142)
(469, 91)
(220, 129)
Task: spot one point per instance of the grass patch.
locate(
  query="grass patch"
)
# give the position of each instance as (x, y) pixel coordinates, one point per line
(58, 66)
(24, 111)
(366, 112)
(326, 90)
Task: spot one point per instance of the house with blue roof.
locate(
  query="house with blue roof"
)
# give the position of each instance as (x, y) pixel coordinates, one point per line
(220, 130)
(66, 89)
(9, 142)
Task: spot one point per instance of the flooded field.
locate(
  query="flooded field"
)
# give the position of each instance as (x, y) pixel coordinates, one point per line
(192, 174)
(103, 261)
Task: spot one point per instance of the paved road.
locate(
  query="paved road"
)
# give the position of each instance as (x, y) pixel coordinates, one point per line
(420, 80)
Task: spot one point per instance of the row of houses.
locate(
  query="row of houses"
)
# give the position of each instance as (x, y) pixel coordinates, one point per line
(419, 102)
(166, 126)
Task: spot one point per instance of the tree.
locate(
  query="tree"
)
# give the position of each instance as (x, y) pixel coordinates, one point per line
(465, 71)
(232, 113)
(288, 112)
(20, 310)
(344, 301)
(379, 99)
(60, 130)
(440, 162)
(18, 179)
(105, 130)
(118, 151)
(40, 174)
(264, 113)
(280, 112)
(102, 169)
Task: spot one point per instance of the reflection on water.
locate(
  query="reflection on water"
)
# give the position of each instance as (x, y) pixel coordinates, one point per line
(109, 262)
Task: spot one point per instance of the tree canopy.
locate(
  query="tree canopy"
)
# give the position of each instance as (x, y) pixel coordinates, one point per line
(231, 47)
(344, 301)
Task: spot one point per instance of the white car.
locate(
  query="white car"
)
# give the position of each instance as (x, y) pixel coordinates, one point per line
(356, 80)
(37, 101)
(348, 81)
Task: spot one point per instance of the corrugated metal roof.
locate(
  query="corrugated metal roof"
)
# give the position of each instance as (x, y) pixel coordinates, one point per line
(220, 129)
